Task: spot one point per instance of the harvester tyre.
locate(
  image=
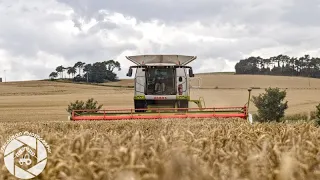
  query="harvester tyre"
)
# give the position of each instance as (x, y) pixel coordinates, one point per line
(139, 105)
(183, 104)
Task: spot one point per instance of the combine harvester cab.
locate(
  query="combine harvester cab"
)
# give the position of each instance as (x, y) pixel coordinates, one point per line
(162, 91)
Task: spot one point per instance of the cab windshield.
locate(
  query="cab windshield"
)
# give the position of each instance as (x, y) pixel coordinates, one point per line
(160, 81)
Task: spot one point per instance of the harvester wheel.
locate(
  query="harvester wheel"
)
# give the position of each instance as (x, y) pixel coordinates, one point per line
(183, 104)
(139, 105)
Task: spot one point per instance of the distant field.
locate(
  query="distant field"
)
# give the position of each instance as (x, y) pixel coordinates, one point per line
(229, 80)
(245, 81)
(45, 100)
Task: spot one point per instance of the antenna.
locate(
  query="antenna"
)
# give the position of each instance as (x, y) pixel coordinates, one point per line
(5, 79)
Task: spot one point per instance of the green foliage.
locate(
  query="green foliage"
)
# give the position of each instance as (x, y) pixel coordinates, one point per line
(317, 115)
(90, 104)
(53, 75)
(111, 65)
(318, 111)
(280, 65)
(296, 117)
(72, 70)
(270, 104)
(255, 117)
(313, 115)
(79, 65)
(59, 70)
(98, 72)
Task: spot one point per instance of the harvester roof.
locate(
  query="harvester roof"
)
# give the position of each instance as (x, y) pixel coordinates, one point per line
(161, 59)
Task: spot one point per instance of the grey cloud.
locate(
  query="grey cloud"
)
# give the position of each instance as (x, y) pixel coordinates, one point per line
(149, 10)
(206, 11)
(26, 39)
(256, 17)
(243, 26)
(32, 29)
(212, 52)
(303, 13)
(103, 25)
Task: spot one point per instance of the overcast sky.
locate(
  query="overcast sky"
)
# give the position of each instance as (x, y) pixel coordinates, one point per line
(38, 35)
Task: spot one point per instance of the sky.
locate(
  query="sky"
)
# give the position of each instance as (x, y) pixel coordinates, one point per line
(36, 36)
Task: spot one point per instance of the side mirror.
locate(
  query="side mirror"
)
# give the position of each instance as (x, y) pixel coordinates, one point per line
(191, 73)
(129, 72)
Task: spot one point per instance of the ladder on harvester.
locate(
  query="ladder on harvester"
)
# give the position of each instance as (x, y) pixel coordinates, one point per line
(200, 103)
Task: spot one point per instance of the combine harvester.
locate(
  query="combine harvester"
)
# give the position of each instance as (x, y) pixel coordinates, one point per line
(162, 91)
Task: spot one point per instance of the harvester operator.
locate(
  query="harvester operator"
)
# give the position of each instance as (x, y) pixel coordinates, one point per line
(159, 82)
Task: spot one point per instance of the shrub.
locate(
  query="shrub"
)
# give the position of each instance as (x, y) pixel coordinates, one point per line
(317, 114)
(90, 104)
(296, 117)
(269, 104)
(256, 118)
(313, 115)
(318, 111)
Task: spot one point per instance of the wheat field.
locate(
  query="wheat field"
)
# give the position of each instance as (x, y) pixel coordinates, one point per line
(165, 149)
(175, 150)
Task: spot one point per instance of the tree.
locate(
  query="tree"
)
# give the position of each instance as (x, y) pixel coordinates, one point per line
(79, 65)
(280, 65)
(86, 69)
(53, 75)
(72, 70)
(98, 72)
(60, 69)
(270, 104)
(111, 65)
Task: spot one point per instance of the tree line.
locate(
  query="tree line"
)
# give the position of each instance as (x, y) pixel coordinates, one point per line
(97, 72)
(280, 65)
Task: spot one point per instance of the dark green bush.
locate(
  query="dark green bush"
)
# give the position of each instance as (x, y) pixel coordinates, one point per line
(296, 117)
(90, 104)
(317, 114)
(270, 105)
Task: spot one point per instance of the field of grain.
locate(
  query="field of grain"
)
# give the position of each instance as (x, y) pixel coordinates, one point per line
(231, 81)
(175, 150)
(165, 149)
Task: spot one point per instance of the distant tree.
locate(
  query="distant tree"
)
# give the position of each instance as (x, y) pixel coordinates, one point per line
(97, 72)
(270, 105)
(111, 65)
(59, 70)
(72, 70)
(280, 65)
(87, 68)
(53, 75)
(79, 65)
